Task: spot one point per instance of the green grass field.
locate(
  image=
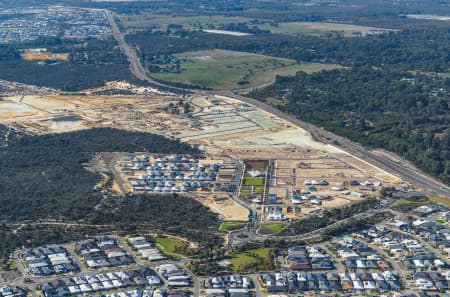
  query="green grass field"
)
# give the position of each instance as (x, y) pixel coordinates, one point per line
(229, 226)
(12, 265)
(258, 190)
(246, 192)
(274, 228)
(228, 70)
(169, 246)
(253, 181)
(148, 20)
(251, 260)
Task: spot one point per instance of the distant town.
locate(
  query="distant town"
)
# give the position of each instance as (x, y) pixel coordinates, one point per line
(22, 25)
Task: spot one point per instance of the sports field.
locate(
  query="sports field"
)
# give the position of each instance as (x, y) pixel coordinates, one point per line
(229, 70)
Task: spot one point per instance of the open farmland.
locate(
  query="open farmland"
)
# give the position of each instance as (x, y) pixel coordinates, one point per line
(320, 28)
(159, 21)
(225, 70)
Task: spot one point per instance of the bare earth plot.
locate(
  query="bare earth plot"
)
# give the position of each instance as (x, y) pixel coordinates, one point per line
(227, 208)
(44, 56)
(226, 70)
(226, 32)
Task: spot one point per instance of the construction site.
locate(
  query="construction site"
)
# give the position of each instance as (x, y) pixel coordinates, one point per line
(282, 170)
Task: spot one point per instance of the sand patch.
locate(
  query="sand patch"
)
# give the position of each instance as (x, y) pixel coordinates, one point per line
(226, 207)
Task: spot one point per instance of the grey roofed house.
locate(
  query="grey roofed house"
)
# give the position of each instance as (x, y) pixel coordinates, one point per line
(322, 265)
(395, 285)
(302, 286)
(215, 292)
(366, 277)
(441, 285)
(371, 264)
(333, 277)
(383, 285)
(321, 276)
(312, 285)
(239, 294)
(323, 285)
(436, 276)
(298, 263)
(311, 276)
(351, 264)
(334, 285)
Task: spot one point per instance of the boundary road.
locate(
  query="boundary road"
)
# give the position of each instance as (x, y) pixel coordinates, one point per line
(411, 175)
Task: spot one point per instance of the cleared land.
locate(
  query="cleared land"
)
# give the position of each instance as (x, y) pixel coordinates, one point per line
(225, 32)
(223, 126)
(428, 17)
(225, 70)
(227, 208)
(149, 20)
(320, 28)
(44, 56)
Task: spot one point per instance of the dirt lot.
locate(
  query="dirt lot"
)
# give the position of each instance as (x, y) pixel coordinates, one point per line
(44, 56)
(335, 202)
(227, 208)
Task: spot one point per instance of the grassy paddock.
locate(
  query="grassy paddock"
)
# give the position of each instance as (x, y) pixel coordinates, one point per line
(251, 260)
(227, 70)
(274, 228)
(229, 226)
(170, 246)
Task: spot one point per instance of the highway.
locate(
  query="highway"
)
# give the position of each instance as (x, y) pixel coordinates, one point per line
(412, 175)
(136, 67)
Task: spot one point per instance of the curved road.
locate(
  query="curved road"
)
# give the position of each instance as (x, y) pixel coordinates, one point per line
(235, 239)
(411, 175)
